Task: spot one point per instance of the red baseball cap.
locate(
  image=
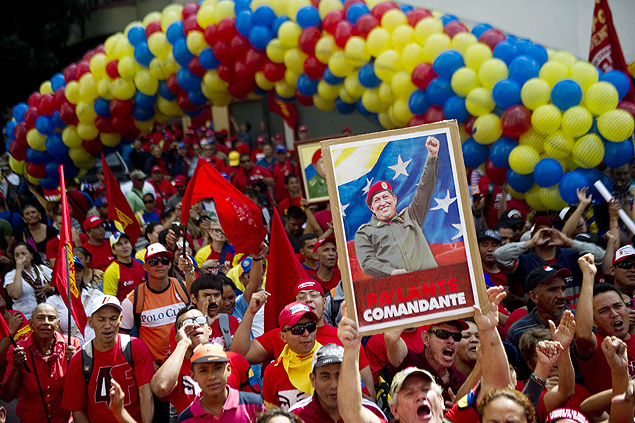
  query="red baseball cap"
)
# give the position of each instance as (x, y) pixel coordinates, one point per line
(323, 241)
(541, 221)
(293, 312)
(461, 324)
(316, 156)
(92, 222)
(179, 180)
(156, 169)
(376, 188)
(308, 284)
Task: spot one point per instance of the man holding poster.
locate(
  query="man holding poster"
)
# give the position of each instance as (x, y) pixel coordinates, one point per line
(392, 244)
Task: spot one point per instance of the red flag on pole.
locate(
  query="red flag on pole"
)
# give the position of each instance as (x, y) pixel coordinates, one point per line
(4, 329)
(605, 51)
(64, 271)
(287, 111)
(118, 207)
(240, 217)
(284, 271)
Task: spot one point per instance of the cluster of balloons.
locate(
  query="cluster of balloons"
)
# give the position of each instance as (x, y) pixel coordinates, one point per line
(539, 119)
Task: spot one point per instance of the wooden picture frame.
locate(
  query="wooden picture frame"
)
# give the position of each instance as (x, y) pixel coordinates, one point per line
(405, 275)
(312, 182)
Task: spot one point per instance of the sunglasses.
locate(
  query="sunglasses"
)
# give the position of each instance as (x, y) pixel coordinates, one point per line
(199, 320)
(446, 334)
(625, 264)
(154, 261)
(245, 161)
(300, 328)
(148, 201)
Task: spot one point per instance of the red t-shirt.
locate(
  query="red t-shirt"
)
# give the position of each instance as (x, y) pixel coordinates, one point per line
(331, 283)
(494, 194)
(217, 162)
(279, 171)
(323, 218)
(498, 279)
(106, 366)
(284, 205)
(378, 356)
(243, 180)
(310, 410)
(278, 390)
(596, 371)
(579, 395)
(102, 255)
(164, 190)
(53, 245)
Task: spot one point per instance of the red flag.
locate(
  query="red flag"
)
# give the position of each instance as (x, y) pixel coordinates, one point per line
(605, 51)
(118, 207)
(240, 217)
(64, 271)
(4, 328)
(284, 271)
(287, 110)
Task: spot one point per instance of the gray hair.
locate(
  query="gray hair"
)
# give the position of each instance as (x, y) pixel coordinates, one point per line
(433, 385)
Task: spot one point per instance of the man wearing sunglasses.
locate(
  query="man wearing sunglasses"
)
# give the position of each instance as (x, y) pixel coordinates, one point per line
(441, 341)
(287, 380)
(623, 269)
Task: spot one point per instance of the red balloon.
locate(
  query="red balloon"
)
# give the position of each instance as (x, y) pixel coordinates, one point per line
(100, 49)
(225, 72)
(415, 15)
(243, 73)
(67, 114)
(122, 124)
(47, 105)
(195, 67)
(454, 27)
(343, 32)
(82, 68)
(381, 8)
(417, 120)
(69, 73)
(305, 100)
(132, 134)
(18, 150)
(89, 55)
(121, 108)
(20, 132)
(93, 146)
(152, 28)
(36, 171)
(34, 99)
(274, 71)
(104, 124)
(313, 68)
(364, 25)
(308, 39)
(628, 106)
(189, 10)
(209, 34)
(30, 116)
(191, 24)
(223, 52)
(111, 69)
(331, 20)
(239, 45)
(241, 89)
(60, 97)
(434, 114)
(492, 37)
(515, 121)
(255, 59)
(423, 74)
(226, 30)
(498, 175)
(468, 124)
(185, 103)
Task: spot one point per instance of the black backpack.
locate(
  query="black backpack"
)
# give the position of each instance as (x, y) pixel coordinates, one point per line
(125, 343)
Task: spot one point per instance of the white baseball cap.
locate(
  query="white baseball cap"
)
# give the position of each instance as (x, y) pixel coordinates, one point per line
(102, 301)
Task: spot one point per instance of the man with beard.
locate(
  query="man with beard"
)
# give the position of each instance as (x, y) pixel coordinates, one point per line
(623, 269)
(328, 274)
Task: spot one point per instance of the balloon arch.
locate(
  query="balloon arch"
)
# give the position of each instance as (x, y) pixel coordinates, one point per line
(540, 119)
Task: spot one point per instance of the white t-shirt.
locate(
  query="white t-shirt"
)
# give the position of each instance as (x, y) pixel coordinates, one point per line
(27, 302)
(62, 312)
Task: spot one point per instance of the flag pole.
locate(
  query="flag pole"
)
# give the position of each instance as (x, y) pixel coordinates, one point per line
(68, 269)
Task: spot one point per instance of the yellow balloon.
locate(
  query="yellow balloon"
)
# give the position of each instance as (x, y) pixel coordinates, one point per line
(585, 74)
(222, 100)
(402, 36)
(339, 66)
(393, 19)
(263, 82)
(109, 44)
(564, 57)
(588, 151)
(215, 84)
(70, 137)
(87, 163)
(168, 108)
(325, 48)
(294, 5)
(103, 88)
(144, 127)
(434, 45)
(159, 45)
(385, 121)
(385, 93)
(158, 70)
(576, 121)
(45, 88)
(533, 139)
(97, 65)
(18, 166)
(294, 60)
(36, 140)
(122, 89)
(492, 71)
(515, 194)
(476, 55)
(71, 92)
(372, 102)
(123, 49)
(86, 112)
(551, 198)
(378, 41)
(523, 159)
(110, 140)
(146, 83)
(386, 65)
(345, 96)
(205, 15)
(288, 33)
(487, 129)
(87, 131)
(535, 93)
(87, 88)
(168, 19)
(196, 42)
(559, 146)
(402, 112)
(291, 78)
(151, 17)
(600, 98)
(402, 85)
(323, 104)
(546, 119)
(553, 72)
(356, 52)
(464, 80)
(327, 91)
(32, 180)
(126, 67)
(275, 52)
(170, 64)
(224, 9)
(616, 125)
(479, 102)
(353, 87)
(327, 6)
(462, 41)
(411, 56)
(426, 27)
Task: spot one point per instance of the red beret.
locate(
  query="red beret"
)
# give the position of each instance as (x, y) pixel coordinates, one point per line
(375, 188)
(316, 156)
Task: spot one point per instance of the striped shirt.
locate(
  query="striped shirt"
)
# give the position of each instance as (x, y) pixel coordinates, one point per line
(239, 407)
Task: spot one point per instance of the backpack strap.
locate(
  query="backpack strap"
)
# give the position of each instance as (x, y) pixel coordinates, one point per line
(181, 290)
(87, 361)
(125, 343)
(223, 323)
(138, 304)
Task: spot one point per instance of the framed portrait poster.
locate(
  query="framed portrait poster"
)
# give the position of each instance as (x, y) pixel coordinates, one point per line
(312, 169)
(405, 235)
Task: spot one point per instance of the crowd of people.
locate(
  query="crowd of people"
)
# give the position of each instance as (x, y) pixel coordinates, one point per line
(176, 328)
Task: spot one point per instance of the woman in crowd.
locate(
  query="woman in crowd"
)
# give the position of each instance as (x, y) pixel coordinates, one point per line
(93, 278)
(506, 405)
(35, 233)
(151, 233)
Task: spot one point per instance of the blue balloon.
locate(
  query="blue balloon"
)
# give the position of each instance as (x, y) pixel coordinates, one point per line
(367, 77)
(519, 183)
(523, 68)
(538, 53)
(594, 175)
(72, 171)
(439, 90)
(136, 35)
(37, 157)
(175, 32)
(506, 93)
(617, 154)
(56, 148)
(240, 5)
(505, 51)
(447, 63)
(479, 29)
(566, 94)
(259, 37)
(244, 22)
(142, 100)
(570, 183)
(620, 81)
(276, 24)
(511, 38)
(362, 110)
(454, 108)
(142, 114)
(102, 107)
(523, 45)
(197, 97)
(446, 19)
(356, 11)
(307, 86)
(18, 111)
(9, 129)
(187, 80)
(57, 120)
(52, 171)
(344, 107)
(45, 125)
(308, 16)
(7, 145)
(264, 15)
(405, 8)
(142, 54)
(165, 92)
(207, 59)
(418, 102)
(193, 113)
(474, 154)
(331, 79)
(499, 152)
(547, 172)
(50, 183)
(181, 54)
(58, 81)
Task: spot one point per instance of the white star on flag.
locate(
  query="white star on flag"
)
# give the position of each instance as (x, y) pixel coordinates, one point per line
(444, 203)
(342, 208)
(459, 228)
(368, 184)
(400, 167)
